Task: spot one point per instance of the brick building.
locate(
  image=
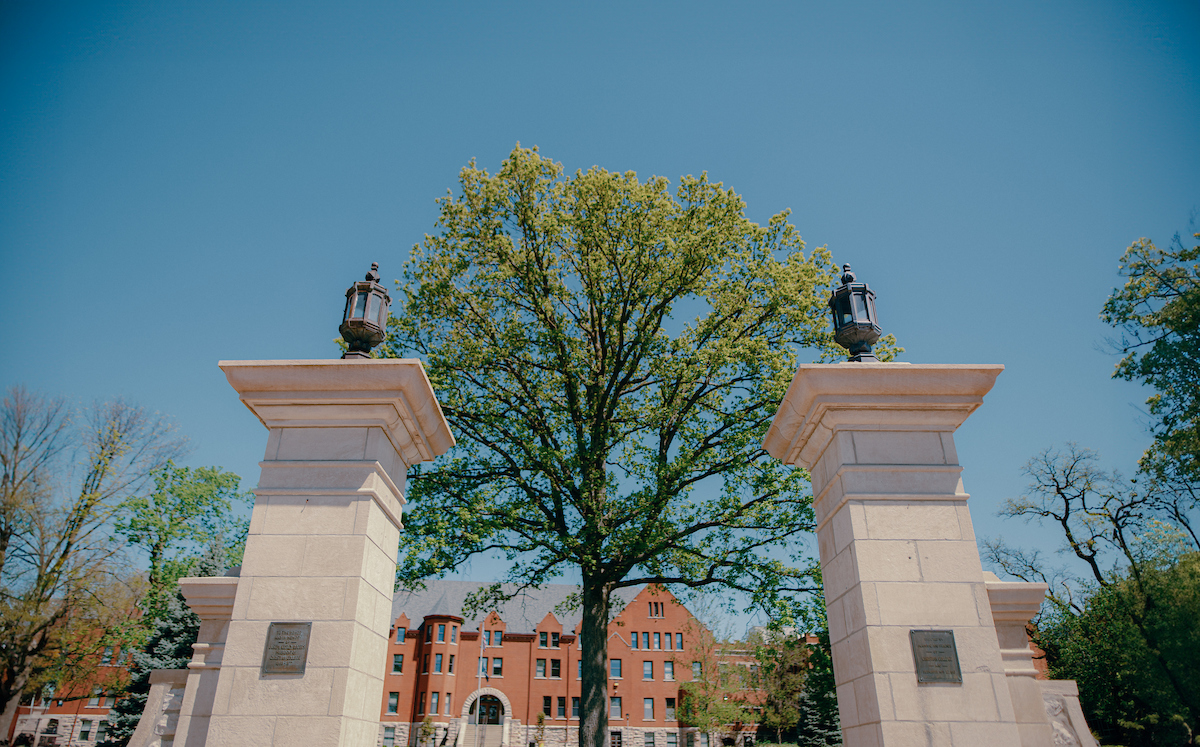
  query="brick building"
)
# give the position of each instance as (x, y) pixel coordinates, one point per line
(75, 716)
(523, 660)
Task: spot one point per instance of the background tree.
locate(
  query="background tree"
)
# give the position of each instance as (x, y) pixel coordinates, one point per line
(1125, 631)
(609, 354)
(1157, 313)
(818, 723)
(57, 547)
(781, 658)
(714, 698)
(186, 510)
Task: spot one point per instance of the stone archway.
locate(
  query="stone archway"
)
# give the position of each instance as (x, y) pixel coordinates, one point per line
(470, 700)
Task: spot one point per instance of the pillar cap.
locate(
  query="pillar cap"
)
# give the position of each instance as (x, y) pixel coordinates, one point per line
(389, 393)
(825, 398)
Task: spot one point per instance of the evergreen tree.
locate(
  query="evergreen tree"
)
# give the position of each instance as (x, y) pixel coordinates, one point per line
(819, 725)
(169, 647)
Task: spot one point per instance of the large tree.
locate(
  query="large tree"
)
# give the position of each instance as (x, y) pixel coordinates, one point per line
(610, 353)
(62, 473)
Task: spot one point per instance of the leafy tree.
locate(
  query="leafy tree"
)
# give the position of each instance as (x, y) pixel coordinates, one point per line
(781, 667)
(1157, 312)
(609, 354)
(1140, 591)
(168, 647)
(54, 546)
(716, 699)
(187, 508)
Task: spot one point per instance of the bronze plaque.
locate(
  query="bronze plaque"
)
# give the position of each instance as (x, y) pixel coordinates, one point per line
(286, 651)
(935, 655)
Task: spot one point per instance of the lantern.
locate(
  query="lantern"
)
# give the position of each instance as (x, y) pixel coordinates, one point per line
(855, 326)
(364, 322)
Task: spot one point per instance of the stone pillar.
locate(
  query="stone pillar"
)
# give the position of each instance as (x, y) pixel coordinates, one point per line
(1014, 603)
(212, 601)
(897, 547)
(322, 545)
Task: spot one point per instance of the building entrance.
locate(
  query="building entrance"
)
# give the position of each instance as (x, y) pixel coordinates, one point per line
(491, 710)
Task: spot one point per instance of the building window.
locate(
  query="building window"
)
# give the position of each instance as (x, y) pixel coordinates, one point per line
(454, 634)
(389, 736)
(425, 668)
(647, 670)
(645, 640)
(658, 640)
(499, 636)
(397, 663)
(579, 669)
(400, 635)
(109, 701)
(704, 740)
(669, 711)
(441, 633)
(679, 641)
(541, 668)
(669, 639)
(101, 731)
(649, 739)
(556, 668)
(554, 640)
(614, 668)
(85, 729)
(428, 633)
(437, 665)
(433, 702)
(562, 707)
(668, 670)
(51, 726)
(647, 709)
(497, 667)
(697, 670)
(487, 637)
(483, 662)
(574, 707)
(448, 704)
(672, 739)
(614, 708)
(656, 609)
(106, 659)
(393, 702)
(542, 639)
(94, 701)
(691, 739)
(633, 640)
(420, 703)
(547, 705)
(614, 738)
(450, 666)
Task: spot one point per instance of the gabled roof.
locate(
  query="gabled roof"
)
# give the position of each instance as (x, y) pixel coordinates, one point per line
(520, 614)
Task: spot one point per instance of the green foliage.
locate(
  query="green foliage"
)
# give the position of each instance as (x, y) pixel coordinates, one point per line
(818, 723)
(609, 354)
(781, 668)
(1127, 692)
(1158, 314)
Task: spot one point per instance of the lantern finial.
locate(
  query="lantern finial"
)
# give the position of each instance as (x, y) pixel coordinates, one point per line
(855, 326)
(364, 322)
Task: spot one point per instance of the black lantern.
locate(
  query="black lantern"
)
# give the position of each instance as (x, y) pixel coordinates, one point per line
(364, 322)
(855, 326)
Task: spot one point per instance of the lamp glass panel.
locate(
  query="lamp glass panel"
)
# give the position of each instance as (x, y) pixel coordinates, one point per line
(372, 305)
(843, 311)
(346, 311)
(871, 309)
(860, 307)
(360, 306)
(383, 312)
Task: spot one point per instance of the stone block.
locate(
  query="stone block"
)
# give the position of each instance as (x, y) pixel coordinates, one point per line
(330, 644)
(904, 734)
(245, 642)
(866, 735)
(282, 694)
(379, 569)
(348, 444)
(334, 555)
(847, 705)
(310, 731)
(911, 520)
(840, 574)
(924, 481)
(277, 598)
(310, 515)
(984, 734)
(898, 447)
(927, 605)
(273, 555)
(241, 731)
(887, 560)
(949, 560)
(891, 650)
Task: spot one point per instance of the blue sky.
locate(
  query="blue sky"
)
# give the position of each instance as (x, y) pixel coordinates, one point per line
(187, 182)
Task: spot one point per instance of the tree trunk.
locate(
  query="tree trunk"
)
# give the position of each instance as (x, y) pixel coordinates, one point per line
(593, 635)
(10, 706)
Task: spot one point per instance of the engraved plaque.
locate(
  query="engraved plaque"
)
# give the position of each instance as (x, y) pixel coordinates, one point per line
(935, 655)
(286, 651)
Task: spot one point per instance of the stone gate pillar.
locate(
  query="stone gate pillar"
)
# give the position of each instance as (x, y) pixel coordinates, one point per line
(904, 587)
(320, 559)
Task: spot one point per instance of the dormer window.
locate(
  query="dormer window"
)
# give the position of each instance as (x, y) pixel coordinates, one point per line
(554, 640)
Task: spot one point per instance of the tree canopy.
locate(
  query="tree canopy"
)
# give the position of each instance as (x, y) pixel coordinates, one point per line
(610, 353)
